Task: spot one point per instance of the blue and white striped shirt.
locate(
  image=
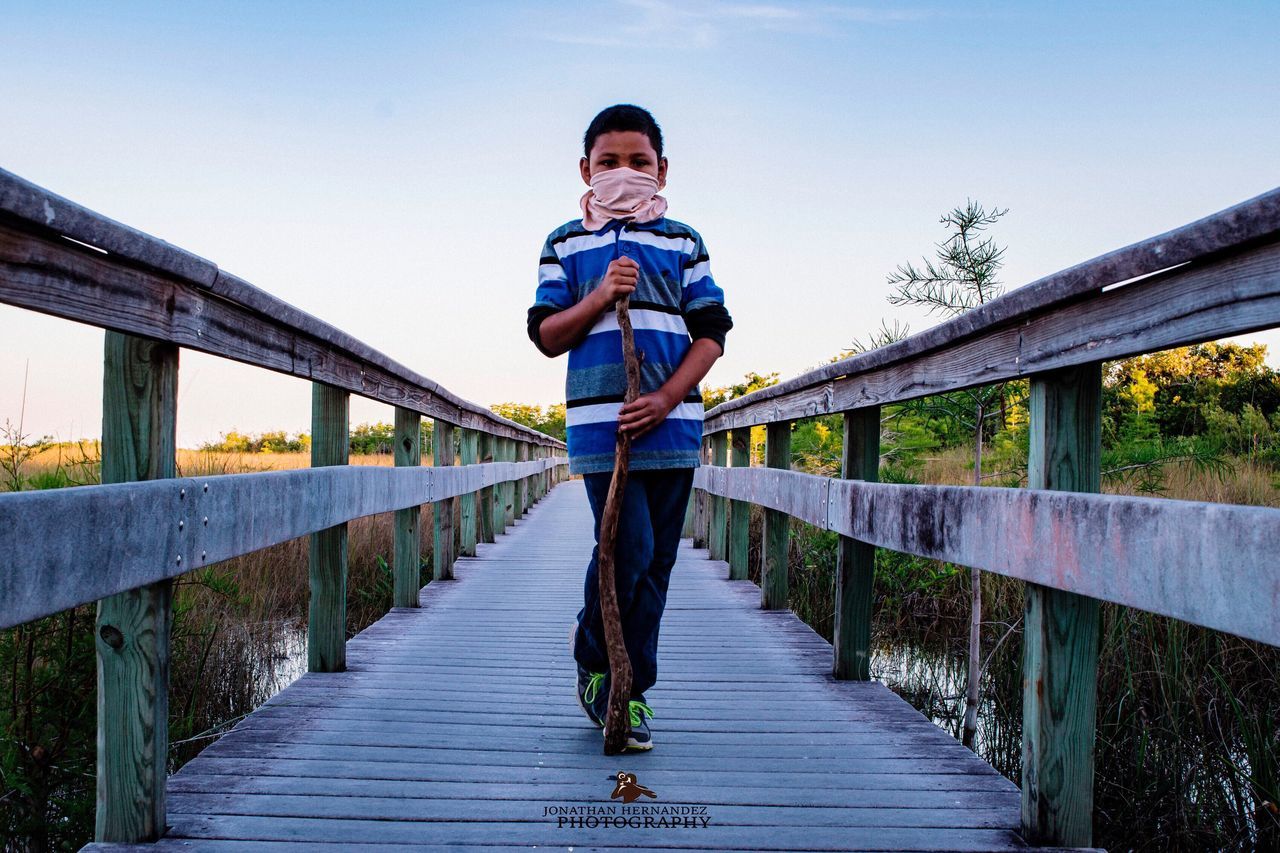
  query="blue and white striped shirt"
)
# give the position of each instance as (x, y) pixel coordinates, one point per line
(675, 301)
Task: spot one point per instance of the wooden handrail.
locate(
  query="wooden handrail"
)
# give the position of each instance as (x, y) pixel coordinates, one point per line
(1204, 563)
(127, 535)
(1145, 553)
(114, 277)
(1216, 277)
(122, 542)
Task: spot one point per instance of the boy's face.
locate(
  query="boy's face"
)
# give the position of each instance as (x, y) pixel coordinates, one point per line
(629, 148)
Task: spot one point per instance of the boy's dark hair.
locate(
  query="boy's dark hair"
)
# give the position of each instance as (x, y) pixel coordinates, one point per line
(623, 117)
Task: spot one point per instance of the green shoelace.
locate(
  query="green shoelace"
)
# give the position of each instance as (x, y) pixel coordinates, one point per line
(634, 706)
(589, 695)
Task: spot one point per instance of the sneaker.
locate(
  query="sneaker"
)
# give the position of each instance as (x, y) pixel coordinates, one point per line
(589, 693)
(640, 737)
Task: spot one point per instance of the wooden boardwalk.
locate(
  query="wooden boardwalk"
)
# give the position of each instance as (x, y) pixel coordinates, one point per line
(455, 725)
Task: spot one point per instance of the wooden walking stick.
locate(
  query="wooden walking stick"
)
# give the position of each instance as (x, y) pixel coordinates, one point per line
(617, 721)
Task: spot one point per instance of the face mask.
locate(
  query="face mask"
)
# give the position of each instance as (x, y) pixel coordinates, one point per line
(621, 193)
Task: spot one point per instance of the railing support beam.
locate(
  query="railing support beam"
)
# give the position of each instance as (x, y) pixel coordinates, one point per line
(468, 450)
(407, 553)
(719, 515)
(139, 416)
(739, 511)
(442, 511)
(774, 564)
(1060, 629)
(487, 442)
(327, 557)
(855, 560)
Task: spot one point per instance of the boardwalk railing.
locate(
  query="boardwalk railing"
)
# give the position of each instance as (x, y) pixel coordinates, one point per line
(122, 543)
(1209, 564)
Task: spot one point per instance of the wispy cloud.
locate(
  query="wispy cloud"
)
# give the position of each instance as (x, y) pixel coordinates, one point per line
(663, 23)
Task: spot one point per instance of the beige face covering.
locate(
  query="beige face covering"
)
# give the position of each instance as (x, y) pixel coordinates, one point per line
(622, 193)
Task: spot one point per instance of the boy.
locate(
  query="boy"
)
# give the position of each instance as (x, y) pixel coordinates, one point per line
(624, 245)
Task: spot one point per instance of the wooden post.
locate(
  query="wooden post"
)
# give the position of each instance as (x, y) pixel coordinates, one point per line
(776, 539)
(407, 546)
(509, 487)
(486, 494)
(139, 416)
(700, 503)
(499, 489)
(1060, 640)
(855, 560)
(686, 532)
(327, 622)
(468, 449)
(521, 493)
(719, 506)
(442, 444)
(739, 511)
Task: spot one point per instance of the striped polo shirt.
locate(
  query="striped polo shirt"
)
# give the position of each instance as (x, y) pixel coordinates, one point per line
(674, 297)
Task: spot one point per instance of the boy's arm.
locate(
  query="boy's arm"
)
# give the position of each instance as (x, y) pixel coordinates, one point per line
(559, 332)
(702, 306)
(648, 410)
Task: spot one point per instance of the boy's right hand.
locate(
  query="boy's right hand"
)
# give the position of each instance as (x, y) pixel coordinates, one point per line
(619, 281)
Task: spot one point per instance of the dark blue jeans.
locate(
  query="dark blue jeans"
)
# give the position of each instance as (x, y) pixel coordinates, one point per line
(653, 508)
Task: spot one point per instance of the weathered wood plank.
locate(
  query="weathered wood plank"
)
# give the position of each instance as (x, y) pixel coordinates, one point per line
(407, 542)
(776, 538)
(855, 559)
(139, 429)
(1205, 241)
(1205, 563)
(1060, 629)
(327, 555)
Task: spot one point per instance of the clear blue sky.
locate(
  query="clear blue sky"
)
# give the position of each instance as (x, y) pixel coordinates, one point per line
(393, 168)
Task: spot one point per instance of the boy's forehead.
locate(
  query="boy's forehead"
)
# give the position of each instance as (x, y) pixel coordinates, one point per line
(622, 142)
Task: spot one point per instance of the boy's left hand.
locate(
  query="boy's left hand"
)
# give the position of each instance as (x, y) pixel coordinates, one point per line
(644, 413)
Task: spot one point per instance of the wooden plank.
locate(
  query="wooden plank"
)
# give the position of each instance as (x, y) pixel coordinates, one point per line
(1060, 629)
(407, 542)
(855, 559)
(716, 533)
(142, 285)
(139, 428)
(1234, 229)
(776, 539)
(469, 502)
(442, 444)
(1204, 563)
(327, 555)
(739, 511)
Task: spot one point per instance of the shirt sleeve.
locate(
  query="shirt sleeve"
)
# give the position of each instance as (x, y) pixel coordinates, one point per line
(553, 294)
(702, 301)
